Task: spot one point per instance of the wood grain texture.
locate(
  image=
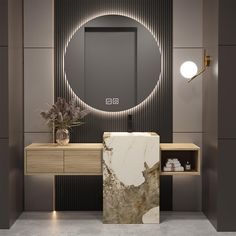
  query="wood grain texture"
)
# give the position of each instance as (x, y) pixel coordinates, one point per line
(70, 146)
(86, 158)
(73, 159)
(44, 161)
(85, 161)
(178, 146)
(187, 173)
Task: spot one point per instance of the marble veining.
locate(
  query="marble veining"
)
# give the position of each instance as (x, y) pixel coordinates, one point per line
(131, 178)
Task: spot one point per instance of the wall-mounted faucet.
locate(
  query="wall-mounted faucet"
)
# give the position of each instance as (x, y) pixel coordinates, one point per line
(129, 123)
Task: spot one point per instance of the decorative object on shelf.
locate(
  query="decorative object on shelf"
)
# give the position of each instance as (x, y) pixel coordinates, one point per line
(173, 165)
(187, 166)
(62, 116)
(62, 136)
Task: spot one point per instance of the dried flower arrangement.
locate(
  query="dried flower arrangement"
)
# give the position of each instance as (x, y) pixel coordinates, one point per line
(64, 115)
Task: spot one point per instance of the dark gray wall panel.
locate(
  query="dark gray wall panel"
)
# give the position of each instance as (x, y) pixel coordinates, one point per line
(11, 149)
(227, 128)
(3, 23)
(187, 187)
(16, 108)
(219, 115)
(226, 181)
(227, 19)
(156, 114)
(38, 187)
(4, 183)
(210, 178)
(227, 85)
(210, 112)
(11, 103)
(4, 141)
(4, 92)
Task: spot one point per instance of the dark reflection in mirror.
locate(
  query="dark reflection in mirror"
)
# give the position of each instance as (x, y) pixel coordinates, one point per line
(112, 63)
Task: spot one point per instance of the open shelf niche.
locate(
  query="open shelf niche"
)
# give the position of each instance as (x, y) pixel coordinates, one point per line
(183, 152)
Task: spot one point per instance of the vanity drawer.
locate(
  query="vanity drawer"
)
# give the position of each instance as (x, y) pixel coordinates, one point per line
(44, 161)
(83, 161)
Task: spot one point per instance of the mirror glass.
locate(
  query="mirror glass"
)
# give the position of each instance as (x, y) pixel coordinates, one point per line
(112, 63)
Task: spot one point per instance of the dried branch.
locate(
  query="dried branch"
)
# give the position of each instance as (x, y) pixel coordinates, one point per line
(64, 115)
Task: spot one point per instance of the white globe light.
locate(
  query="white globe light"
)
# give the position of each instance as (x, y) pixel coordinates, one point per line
(188, 69)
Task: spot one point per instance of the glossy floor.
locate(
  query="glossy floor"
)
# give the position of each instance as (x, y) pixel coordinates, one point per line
(90, 223)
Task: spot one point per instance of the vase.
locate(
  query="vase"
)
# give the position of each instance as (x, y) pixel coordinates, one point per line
(62, 136)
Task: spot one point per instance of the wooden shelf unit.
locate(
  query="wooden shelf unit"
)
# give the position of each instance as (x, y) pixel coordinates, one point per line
(184, 152)
(86, 158)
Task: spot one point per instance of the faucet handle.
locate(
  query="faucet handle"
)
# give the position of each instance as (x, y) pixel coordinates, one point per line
(129, 123)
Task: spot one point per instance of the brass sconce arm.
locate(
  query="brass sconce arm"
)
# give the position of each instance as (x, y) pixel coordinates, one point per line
(206, 64)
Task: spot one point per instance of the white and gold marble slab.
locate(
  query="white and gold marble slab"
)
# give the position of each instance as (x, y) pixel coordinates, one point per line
(131, 177)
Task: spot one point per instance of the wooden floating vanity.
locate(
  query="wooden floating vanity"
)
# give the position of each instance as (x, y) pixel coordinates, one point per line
(73, 159)
(86, 158)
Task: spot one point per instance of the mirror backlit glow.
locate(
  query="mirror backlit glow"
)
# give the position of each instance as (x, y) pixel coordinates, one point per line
(112, 63)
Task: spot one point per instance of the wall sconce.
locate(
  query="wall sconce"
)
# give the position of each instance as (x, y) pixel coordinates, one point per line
(189, 69)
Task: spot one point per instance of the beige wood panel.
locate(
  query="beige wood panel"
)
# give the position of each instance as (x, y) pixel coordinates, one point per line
(83, 161)
(63, 173)
(187, 173)
(70, 146)
(198, 161)
(178, 146)
(44, 161)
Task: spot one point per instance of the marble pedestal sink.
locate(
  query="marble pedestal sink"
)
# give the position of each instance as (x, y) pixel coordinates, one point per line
(130, 178)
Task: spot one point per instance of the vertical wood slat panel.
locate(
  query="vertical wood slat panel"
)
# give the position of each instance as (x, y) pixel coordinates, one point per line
(78, 193)
(155, 115)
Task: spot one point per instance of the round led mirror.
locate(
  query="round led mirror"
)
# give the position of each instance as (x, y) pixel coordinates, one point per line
(112, 63)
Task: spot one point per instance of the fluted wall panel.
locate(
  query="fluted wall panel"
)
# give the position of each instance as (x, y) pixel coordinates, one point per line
(155, 113)
(78, 193)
